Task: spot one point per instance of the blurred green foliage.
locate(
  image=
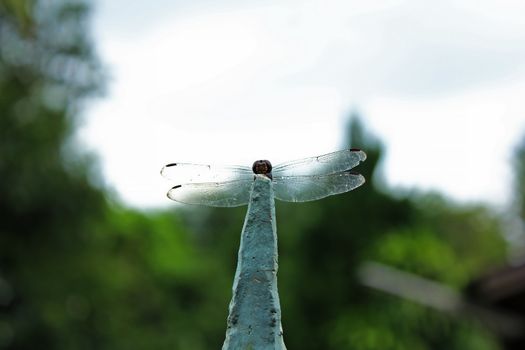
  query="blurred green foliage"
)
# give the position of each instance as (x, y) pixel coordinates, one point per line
(78, 271)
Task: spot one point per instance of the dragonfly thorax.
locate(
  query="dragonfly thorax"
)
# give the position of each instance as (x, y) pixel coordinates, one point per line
(262, 167)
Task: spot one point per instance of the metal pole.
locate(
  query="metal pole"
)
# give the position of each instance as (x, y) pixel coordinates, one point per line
(254, 320)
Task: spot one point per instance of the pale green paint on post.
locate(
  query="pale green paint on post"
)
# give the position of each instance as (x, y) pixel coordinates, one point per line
(254, 320)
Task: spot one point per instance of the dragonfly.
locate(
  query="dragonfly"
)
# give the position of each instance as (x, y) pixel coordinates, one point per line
(299, 180)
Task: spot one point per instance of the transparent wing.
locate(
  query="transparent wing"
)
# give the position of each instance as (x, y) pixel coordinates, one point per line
(312, 187)
(213, 194)
(330, 163)
(196, 173)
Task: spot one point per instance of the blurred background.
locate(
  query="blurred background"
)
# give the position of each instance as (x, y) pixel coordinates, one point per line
(96, 96)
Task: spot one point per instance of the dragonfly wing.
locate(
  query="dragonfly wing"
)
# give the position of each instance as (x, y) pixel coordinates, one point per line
(312, 187)
(215, 194)
(330, 163)
(199, 173)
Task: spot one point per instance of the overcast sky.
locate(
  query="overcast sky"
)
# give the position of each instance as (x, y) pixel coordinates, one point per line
(441, 83)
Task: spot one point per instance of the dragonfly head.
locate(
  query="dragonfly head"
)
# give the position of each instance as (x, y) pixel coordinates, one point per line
(263, 167)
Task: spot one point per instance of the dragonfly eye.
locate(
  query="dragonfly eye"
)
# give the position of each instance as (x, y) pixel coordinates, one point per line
(262, 167)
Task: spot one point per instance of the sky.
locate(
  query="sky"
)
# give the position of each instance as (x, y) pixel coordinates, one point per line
(442, 84)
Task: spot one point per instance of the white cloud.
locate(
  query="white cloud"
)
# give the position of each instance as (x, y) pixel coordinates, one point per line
(461, 144)
(232, 82)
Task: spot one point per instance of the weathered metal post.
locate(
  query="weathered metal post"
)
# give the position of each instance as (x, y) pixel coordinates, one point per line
(254, 320)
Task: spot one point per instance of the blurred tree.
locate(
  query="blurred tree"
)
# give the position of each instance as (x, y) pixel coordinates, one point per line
(320, 256)
(323, 245)
(77, 272)
(46, 199)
